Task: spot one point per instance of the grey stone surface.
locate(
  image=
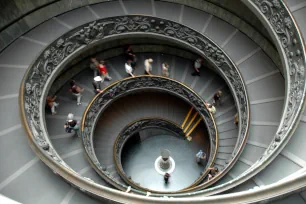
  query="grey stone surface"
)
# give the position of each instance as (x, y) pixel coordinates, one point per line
(261, 134)
(228, 134)
(47, 32)
(226, 149)
(246, 185)
(67, 145)
(292, 3)
(267, 111)
(108, 9)
(246, 46)
(77, 17)
(218, 30)
(11, 10)
(9, 116)
(17, 29)
(34, 182)
(276, 171)
(6, 39)
(257, 65)
(239, 168)
(21, 52)
(195, 18)
(242, 25)
(300, 15)
(228, 142)
(297, 143)
(226, 127)
(6, 76)
(138, 162)
(252, 152)
(11, 145)
(272, 82)
(138, 7)
(163, 8)
(296, 199)
(80, 198)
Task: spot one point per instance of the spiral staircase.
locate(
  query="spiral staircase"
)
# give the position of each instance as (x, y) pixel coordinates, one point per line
(267, 165)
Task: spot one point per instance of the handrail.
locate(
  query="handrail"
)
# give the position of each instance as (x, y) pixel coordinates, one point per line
(278, 20)
(42, 72)
(135, 84)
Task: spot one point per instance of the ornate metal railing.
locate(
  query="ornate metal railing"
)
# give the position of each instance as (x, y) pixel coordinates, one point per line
(285, 32)
(52, 59)
(135, 84)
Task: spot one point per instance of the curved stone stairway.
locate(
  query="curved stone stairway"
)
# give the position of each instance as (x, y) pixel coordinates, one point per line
(120, 115)
(144, 105)
(27, 175)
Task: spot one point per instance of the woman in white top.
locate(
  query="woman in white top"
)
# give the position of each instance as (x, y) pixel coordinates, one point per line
(165, 69)
(129, 69)
(148, 66)
(211, 108)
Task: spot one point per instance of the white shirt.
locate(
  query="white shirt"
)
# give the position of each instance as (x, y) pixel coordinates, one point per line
(128, 68)
(148, 66)
(212, 109)
(165, 70)
(197, 64)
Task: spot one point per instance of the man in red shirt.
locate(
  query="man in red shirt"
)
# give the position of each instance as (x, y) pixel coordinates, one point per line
(103, 71)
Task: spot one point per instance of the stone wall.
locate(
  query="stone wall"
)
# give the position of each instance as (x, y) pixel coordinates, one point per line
(20, 16)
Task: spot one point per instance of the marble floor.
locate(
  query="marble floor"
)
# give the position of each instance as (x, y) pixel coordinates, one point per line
(138, 161)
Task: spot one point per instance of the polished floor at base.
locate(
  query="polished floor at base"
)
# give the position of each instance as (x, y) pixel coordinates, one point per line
(138, 162)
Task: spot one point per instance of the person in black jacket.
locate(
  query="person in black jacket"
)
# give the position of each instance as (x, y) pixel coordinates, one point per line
(217, 98)
(166, 177)
(130, 56)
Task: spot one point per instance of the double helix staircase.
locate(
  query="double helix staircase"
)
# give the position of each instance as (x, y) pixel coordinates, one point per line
(23, 172)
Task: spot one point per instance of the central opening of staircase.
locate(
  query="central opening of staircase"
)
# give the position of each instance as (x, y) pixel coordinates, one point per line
(150, 139)
(151, 153)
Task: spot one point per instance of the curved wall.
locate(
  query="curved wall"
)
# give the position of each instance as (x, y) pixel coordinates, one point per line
(21, 16)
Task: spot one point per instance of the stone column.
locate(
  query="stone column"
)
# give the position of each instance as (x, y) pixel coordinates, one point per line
(164, 163)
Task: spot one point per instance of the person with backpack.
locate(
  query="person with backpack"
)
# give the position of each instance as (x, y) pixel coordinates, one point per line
(72, 124)
(200, 156)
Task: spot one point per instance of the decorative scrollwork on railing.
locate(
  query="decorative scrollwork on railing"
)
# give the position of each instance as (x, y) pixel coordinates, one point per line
(41, 73)
(142, 83)
(290, 43)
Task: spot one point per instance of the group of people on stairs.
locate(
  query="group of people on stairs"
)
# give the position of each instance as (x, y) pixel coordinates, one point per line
(131, 64)
(101, 73)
